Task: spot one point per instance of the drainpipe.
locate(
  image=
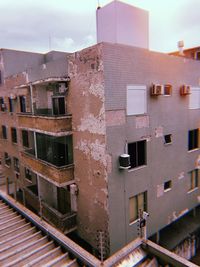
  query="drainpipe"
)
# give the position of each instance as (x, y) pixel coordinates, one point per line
(35, 145)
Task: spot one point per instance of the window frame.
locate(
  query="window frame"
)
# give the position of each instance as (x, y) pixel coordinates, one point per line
(25, 141)
(193, 139)
(167, 186)
(133, 219)
(194, 179)
(135, 154)
(14, 135)
(4, 132)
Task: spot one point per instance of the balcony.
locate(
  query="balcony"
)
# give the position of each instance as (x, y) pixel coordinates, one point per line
(59, 175)
(31, 199)
(64, 222)
(45, 122)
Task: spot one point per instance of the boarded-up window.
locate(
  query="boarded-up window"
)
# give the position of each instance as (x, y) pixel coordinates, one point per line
(136, 100)
(137, 204)
(194, 101)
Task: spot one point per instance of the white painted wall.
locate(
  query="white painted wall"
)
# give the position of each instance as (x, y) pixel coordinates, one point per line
(121, 23)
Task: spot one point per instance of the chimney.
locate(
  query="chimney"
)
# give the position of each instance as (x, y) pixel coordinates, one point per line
(180, 47)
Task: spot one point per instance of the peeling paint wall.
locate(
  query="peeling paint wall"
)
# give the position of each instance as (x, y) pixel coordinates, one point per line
(86, 104)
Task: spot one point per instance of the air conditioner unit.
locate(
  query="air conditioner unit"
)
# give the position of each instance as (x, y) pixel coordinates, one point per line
(124, 161)
(156, 89)
(185, 90)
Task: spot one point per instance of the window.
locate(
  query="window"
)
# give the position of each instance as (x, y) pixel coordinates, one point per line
(4, 132)
(16, 164)
(7, 159)
(136, 99)
(167, 89)
(25, 140)
(14, 135)
(167, 185)
(2, 104)
(194, 179)
(58, 105)
(137, 152)
(55, 150)
(28, 174)
(137, 204)
(168, 138)
(22, 100)
(11, 104)
(193, 139)
(194, 98)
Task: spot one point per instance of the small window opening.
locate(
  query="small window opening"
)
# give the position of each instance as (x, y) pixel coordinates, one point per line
(168, 138)
(167, 185)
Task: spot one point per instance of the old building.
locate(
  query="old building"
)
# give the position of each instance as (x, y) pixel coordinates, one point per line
(89, 140)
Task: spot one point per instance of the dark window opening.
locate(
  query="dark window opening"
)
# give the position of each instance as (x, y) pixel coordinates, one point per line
(168, 138)
(14, 135)
(28, 174)
(25, 140)
(4, 132)
(63, 198)
(58, 105)
(167, 185)
(137, 152)
(167, 89)
(11, 105)
(22, 100)
(193, 139)
(55, 150)
(16, 164)
(2, 104)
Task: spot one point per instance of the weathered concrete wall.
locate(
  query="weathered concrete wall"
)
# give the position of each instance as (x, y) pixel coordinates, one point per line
(11, 120)
(124, 65)
(86, 103)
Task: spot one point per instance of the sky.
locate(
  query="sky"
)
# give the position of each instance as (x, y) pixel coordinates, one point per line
(70, 25)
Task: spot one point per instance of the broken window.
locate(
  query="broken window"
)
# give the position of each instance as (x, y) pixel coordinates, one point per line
(168, 138)
(4, 132)
(137, 152)
(194, 179)
(55, 150)
(14, 135)
(137, 204)
(25, 140)
(167, 185)
(193, 139)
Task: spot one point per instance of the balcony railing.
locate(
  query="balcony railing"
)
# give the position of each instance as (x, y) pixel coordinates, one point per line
(60, 175)
(46, 122)
(31, 200)
(64, 222)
